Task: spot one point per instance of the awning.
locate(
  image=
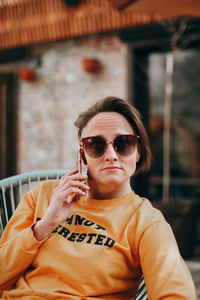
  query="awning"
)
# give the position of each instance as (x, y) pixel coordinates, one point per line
(26, 22)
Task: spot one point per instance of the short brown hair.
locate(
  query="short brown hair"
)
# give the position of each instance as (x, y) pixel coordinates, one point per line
(132, 115)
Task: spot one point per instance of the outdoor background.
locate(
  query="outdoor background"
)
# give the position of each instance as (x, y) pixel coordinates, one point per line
(59, 57)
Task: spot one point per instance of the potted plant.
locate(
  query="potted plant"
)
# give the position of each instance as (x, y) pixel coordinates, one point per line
(27, 74)
(91, 64)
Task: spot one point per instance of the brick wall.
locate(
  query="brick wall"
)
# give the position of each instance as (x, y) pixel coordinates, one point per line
(48, 107)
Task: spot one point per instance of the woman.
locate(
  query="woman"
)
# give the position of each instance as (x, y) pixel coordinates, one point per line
(90, 236)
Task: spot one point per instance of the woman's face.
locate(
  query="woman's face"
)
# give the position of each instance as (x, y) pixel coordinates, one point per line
(110, 169)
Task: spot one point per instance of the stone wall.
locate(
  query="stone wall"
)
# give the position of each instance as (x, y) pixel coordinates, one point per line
(48, 107)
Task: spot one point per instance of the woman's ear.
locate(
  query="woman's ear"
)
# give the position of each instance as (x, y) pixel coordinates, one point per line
(83, 156)
(138, 157)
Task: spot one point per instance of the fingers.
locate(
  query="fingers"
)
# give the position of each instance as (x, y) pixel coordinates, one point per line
(70, 195)
(73, 175)
(69, 174)
(74, 183)
(73, 189)
(71, 184)
(73, 179)
(77, 180)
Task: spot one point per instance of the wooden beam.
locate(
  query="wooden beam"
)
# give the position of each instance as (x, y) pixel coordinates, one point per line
(119, 4)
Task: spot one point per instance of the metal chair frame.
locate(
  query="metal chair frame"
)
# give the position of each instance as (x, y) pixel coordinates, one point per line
(21, 183)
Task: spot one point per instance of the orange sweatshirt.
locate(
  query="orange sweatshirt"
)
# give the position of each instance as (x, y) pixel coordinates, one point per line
(97, 253)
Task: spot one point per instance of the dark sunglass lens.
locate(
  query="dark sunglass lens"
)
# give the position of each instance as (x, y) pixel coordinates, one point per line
(125, 144)
(95, 146)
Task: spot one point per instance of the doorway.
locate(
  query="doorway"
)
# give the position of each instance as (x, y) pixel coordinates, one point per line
(8, 125)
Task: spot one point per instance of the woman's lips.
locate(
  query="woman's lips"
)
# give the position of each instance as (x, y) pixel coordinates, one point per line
(111, 168)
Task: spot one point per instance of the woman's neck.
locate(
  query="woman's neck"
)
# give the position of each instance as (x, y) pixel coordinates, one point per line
(102, 192)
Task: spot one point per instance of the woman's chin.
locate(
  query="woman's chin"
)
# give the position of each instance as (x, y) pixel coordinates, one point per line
(111, 180)
(105, 179)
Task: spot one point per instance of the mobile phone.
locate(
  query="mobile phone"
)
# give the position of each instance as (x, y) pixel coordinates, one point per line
(79, 162)
(81, 167)
(80, 170)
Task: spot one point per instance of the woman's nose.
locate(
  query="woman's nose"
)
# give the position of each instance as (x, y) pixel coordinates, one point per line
(110, 153)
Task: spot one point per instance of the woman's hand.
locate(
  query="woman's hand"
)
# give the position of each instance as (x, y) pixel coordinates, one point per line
(71, 186)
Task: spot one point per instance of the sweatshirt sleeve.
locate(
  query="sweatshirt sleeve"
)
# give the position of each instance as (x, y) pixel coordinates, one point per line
(18, 247)
(165, 272)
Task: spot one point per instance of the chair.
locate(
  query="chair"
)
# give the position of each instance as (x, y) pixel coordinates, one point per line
(141, 292)
(12, 190)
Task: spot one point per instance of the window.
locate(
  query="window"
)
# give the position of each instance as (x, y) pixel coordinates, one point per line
(148, 50)
(184, 142)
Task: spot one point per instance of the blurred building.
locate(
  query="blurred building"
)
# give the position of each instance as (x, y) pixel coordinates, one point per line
(58, 57)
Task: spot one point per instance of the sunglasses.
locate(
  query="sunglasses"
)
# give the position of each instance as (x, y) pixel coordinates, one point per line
(95, 146)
